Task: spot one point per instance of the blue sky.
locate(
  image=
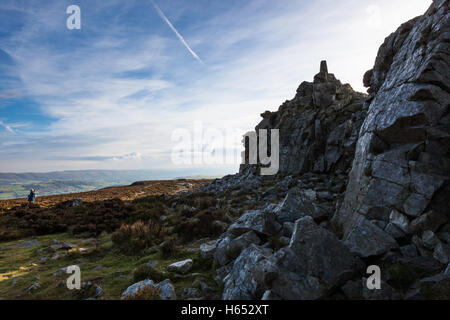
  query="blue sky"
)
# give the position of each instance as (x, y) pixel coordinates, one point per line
(110, 95)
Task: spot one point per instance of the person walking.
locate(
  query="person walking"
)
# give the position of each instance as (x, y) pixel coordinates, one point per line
(31, 197)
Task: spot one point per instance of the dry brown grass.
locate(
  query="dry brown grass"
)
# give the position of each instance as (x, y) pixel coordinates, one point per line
(125, 193)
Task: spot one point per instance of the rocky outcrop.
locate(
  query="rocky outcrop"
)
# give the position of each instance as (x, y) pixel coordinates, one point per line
(318, 128)
(363, 180)
(399, 185)
(312, 265)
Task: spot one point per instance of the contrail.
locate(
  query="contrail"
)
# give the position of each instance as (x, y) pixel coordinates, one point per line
(163, 16)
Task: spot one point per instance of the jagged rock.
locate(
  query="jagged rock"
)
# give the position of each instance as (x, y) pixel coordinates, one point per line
(417, 241)
(167, 291)
(314, 263)
(428, 221)
(288, 229)
(207, 250)
(429, 239)
(402, 155)
(296, 205)
(394, 231)
(359, 242)
(98, 291)
(421, 265)
(260, 221)
(318, 128)
(181, 266)
(243, 241)
(221, 255)
(33, 287)
(191, 294)
(394, 148)
(399, 220)
(242, 282)
(442, 253)
(61, 271)
(222, 272)
(409, 250)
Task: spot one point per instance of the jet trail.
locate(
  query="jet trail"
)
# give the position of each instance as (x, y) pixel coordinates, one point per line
(163, 16)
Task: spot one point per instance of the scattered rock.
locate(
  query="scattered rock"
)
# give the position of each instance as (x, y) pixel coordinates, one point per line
(28, 244)
(167, 291)
(33, 287)
(181, 266)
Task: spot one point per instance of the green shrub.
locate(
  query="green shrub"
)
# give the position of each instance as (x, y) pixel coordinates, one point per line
(169, 248)
(147, 272)
(136, 237)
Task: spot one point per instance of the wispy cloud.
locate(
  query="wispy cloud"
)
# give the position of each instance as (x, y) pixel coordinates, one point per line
(163, 16)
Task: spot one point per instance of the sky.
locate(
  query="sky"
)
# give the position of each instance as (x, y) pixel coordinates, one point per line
(141, 76)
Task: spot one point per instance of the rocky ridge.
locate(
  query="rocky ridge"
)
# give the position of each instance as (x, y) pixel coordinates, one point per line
(363, 180)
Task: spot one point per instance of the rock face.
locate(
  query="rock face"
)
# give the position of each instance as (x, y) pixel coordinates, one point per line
(318, 128)
(401, 170)
(363, 180)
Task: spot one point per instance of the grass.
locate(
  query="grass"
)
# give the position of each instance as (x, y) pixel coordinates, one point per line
(111, 265)
(116, 275)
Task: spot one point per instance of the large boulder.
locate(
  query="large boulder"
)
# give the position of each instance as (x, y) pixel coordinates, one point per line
(207, 250)
(402, 162)
(359, 242)
(314, 263)
(260, 221)
(243, 281)
(166, 289)
(181, 266)
(297, 205)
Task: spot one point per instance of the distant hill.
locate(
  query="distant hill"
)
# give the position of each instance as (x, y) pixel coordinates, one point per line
(17, 185)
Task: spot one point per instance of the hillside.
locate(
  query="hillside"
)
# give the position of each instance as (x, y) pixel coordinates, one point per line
(18, 185)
